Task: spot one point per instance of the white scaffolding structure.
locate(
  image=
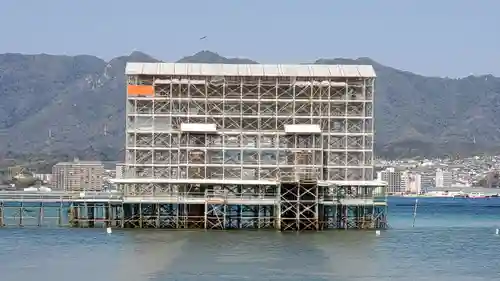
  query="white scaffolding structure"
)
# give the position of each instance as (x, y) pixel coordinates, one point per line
(221, 129)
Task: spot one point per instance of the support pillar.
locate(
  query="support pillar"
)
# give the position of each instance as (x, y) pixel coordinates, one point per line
(2, 224)
(91, 215)
(21, 212)
(40, 215)
(107, 214)
(60, 214)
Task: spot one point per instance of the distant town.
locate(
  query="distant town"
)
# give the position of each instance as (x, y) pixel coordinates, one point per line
(437, 177)
(441, 177)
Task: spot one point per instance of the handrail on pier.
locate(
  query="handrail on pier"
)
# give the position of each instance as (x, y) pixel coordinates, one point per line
(57, 196)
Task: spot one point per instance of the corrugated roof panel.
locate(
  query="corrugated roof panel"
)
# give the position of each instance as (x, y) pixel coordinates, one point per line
(165, 69)
(206, 69)
(159, 68)
(149, 68)
(321, 70)
(335, 71)
(194, 69)
(366, 71)
(289, 70)
(181, 69)
(243, 70)
(133, 68)
(341, 71)
(301, 70)
(255, 69)
(216, 69)
(281, 69)
(351, 71)
(229, 69)
(271, 70)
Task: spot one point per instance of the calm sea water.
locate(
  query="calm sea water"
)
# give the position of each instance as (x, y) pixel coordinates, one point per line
(453, 239)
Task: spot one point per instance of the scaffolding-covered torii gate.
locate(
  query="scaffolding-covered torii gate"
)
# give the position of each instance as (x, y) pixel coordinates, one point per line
(258, 143)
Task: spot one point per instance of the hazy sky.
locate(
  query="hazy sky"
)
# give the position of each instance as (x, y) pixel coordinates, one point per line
(431, 37)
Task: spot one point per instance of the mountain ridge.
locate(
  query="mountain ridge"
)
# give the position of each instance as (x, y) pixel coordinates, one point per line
(74, 106)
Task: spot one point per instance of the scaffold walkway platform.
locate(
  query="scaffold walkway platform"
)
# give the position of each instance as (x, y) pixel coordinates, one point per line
(284, 210)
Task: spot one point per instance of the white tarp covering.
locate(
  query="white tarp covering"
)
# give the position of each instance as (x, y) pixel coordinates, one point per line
(302, 129)
(198, 128)
(38, 189)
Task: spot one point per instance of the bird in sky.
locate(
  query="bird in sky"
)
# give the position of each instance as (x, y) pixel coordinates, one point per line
(203, 37)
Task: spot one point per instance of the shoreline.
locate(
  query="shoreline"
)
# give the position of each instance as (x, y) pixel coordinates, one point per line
(486, 196)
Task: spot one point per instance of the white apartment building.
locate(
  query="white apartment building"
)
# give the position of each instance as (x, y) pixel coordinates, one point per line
(78, 176)
(411, 182)
(444, 179)
(428, 181)
(393, 179)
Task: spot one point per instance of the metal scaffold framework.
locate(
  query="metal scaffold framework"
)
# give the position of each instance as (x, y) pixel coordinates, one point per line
(248, 146)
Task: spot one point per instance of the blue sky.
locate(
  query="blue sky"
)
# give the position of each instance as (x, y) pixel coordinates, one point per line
(430, 37)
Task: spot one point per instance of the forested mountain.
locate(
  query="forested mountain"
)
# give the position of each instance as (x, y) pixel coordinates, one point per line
(74, 106)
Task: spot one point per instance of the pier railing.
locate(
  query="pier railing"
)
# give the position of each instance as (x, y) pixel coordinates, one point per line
(239, 195)
(61, 196)
(20, 196)
(97, 196)
(58, 196)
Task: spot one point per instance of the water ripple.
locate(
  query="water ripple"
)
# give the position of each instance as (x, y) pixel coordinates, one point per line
(452, 240)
